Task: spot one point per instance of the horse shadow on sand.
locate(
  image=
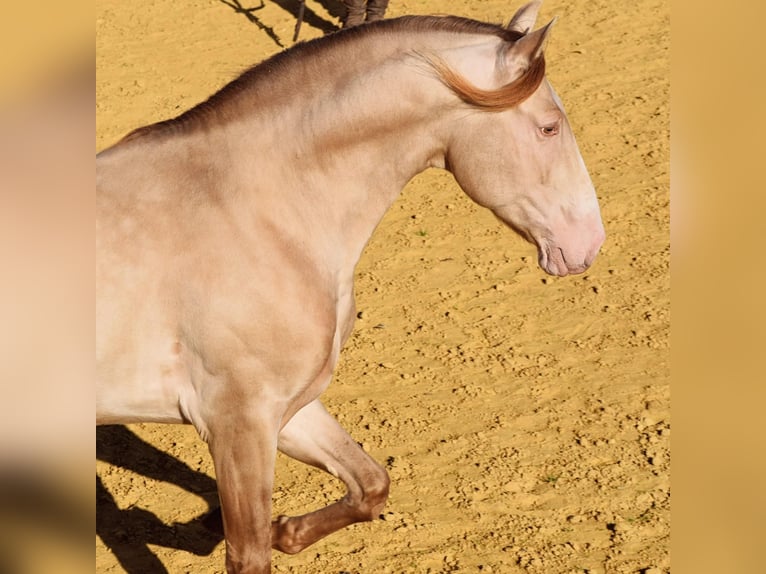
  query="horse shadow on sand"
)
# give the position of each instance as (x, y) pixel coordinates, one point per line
(298, 9)
(128, 532)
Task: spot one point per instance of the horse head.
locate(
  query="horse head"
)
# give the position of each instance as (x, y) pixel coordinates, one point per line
(516, 154)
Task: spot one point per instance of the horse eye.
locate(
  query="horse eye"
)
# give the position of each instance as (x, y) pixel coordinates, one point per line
(549, 130)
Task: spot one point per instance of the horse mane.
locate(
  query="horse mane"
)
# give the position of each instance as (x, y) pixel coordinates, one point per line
(503, 98)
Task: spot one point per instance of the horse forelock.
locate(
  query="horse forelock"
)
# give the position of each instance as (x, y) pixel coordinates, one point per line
(266, 73)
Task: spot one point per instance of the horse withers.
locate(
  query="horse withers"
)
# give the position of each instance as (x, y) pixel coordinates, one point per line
(227, 240)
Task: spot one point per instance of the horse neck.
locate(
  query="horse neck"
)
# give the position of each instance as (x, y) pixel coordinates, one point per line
(330, 160)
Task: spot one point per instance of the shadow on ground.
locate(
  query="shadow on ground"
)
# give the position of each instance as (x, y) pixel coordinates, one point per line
(128, 532)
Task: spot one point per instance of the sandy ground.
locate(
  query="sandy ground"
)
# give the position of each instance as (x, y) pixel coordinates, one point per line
(524, 419)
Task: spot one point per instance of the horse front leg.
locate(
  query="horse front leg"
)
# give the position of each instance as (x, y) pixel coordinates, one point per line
(313, 436)
(243, 445)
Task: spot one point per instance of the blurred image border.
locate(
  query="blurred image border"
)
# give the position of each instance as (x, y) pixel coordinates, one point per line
(47, 433)
(718, 314)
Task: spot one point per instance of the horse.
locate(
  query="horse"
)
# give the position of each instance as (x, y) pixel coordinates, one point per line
(227, 240)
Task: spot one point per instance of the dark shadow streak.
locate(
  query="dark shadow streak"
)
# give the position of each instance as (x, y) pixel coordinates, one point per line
(248, 12)
(296, 8)
(127, 532)
(334, 7)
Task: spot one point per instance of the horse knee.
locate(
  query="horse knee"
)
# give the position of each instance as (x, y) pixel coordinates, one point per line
(374, 494)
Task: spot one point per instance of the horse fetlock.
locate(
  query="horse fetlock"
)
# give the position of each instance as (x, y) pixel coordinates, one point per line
(285, 535)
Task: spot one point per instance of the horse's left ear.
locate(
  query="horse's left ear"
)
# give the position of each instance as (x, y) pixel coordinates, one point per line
(526, 50)
(524, 18)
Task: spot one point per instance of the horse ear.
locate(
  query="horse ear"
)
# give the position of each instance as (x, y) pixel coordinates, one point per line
(524, 18)
(526, 50)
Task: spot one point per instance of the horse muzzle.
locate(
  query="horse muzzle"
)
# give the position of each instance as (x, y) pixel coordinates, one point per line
(570, 258)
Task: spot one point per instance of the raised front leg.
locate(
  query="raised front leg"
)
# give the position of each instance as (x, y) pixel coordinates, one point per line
(313, 436)
(243, 447)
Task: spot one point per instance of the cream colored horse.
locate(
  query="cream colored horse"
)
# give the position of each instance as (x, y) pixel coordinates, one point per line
(228, 238)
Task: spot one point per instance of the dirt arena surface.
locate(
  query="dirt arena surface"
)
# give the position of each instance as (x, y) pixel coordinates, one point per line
(524, 419)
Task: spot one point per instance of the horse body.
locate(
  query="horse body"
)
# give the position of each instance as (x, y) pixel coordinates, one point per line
(228, 238)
